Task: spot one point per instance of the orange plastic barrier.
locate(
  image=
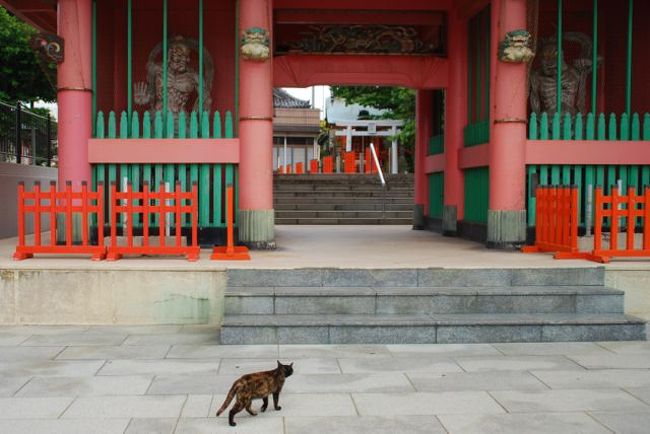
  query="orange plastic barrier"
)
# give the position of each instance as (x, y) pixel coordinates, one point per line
(299, 169)
(287, 170)
(149, 203)
(556, 228)
(328, 164)
(370, 166)
(313, 166)
(67, 203)
(350, 162)
(230, 252)
(615, 207)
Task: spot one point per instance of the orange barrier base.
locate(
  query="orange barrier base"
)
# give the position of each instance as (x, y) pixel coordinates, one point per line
(21, 253)
(191, 254)
(235, 253)
(557, 255)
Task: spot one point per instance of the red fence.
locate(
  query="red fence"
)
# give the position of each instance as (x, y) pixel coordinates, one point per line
(313, 166)
(328, 164)
(556, 229)
(175, 204)
(65, 204)
(618, 209)
(350, 162)
(230, 252)
(370, 166)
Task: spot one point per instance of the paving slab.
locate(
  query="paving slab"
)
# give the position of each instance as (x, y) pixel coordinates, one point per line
(596, 379)
(550, 348)
(348, 383)
(304, 404)
(542, 423)
(515, 363)
(443, 350)
(173, 339)
(33, 408)
(75, 339)
(516, 401)
(419, 403)
(468, 381)
(93, 407)
(86, 386)
(197, 406)
(60, 426)
(196, 384)
(643, 393)
(9, 385)
(627, 347)
(158, 367)
(624, 422)
(114, 352)
(29, 330)
(364, 425)
(246, 424)
(303, 366)
(335, 351)
(613, 361)
(223, 351)
(402, 364)
(136, 329)
(8, 339)
(14, 354)
(50, 368)
(151, 426)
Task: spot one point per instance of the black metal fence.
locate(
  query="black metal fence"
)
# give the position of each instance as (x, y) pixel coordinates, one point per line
(26, 137)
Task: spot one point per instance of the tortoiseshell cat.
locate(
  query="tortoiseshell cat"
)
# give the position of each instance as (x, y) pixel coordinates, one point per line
(255, 386)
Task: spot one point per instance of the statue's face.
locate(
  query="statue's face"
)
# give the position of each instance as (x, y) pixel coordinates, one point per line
(179, 57)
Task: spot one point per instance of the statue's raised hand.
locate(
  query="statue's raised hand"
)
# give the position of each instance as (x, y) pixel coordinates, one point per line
(141, 93)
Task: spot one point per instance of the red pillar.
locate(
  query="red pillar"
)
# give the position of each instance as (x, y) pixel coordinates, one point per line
(506, 215)
(256, 222)
(455, 120)
(423, 115)
(75, 90)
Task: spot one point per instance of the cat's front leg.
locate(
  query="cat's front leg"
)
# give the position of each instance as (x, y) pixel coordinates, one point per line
(265, 404)
(249, 409)
(276, 399)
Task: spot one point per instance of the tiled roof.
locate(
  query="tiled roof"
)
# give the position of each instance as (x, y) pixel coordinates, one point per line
(282, 99)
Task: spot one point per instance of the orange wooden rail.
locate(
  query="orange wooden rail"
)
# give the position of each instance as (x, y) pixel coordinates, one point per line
(313, 166)
(230, 252)
(146, 203)
(66, 203)
(350, 162)
(628, 208)
(556, 229)
(328, 164)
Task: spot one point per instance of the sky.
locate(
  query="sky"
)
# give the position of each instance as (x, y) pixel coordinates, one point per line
(305, 93)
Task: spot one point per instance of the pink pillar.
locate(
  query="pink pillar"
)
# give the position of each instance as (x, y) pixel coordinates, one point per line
(506, 216)
(423, 115)
(75, 90)
(256, 134)
(455, 120)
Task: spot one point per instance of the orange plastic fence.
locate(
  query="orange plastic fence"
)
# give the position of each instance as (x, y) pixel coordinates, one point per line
(556, 227)
(350, 162)
(147, 203)
(370, 166)
(287, 170)
(299, 168)
(328, 164)
(230, 252)
(619, 209)
(66, 203)
(313, 166)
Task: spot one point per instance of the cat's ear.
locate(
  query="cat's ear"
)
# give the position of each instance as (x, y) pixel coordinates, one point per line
(279, 364)
(291, 364)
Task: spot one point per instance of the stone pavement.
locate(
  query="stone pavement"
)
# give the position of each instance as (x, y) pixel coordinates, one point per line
(171, 379)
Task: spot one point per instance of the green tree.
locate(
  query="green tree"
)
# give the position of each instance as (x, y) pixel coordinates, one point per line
(21, 76)
(398, 103)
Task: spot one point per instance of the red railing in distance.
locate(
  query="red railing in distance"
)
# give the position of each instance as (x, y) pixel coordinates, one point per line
(328, 164)
(287, 170)
(313, 166)
(556, 228)
(175, 204)
(230, 252)
(370, 166)
(300, 168)
(620, 209)
(67, 203)
(350, 162)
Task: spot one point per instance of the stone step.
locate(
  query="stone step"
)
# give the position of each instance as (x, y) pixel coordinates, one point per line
(343, 221)
(417, 277)
(439, 328)
(373, 206)
(422, 300)
(361, 214)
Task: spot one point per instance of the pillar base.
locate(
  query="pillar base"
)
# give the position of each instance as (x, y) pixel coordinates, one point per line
(257, 229)
(506, 229)
(419, 222)
(450, 220)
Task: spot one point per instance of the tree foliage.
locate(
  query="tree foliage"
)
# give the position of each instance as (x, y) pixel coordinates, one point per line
(21, 76)
(398, 103)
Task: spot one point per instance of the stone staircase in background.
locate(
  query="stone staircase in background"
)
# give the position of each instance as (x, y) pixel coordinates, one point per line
(391, 306)
(335, 199)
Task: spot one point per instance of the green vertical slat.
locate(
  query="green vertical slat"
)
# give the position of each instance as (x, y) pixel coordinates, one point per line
(124, 126)
(157, 172)
(633, 181)
(182, 178)
(601, 134)
(194, 125)
(646, 126)
(543, 126)
(216, 125)
(566, 127)
(135, 181)
(612, 127)
(169, 125)
(205, 125)
(532, 127)
(158, 126)
(229, 130)
(146, 177)
(555, 174)
(645, 176)
(532, 170)
(158, 176)
(170, 177)
(204, 196)
(112, 127)
(217, 196)
(135, 126)
(628, 62)
(579, 127)
(611, 177)
(635, 133)
(194, 174)
(594, 57)
(555, 133)
(590, 132)
(566, 175)
(146, 125)
(625, 127)
(182, 125)
(129, 57)
(590, 172)
(543, 174)
(600, 177)
(94, 64)
(577, 181)
(622, 175)
(99, 126)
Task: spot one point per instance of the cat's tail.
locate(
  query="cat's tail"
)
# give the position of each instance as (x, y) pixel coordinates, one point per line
(231, 394)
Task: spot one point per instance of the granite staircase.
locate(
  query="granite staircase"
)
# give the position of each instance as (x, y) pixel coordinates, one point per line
(334, 199)
(389, 306)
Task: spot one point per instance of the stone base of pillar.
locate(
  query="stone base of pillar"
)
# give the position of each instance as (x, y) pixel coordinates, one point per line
(257, 229)
(419, 222)
(450, 220)
(506, 229)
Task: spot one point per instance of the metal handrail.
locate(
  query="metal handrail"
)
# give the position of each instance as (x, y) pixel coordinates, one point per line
(381, 178)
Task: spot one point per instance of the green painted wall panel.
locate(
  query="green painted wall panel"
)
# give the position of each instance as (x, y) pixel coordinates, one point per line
(436, 194)
(477, 194)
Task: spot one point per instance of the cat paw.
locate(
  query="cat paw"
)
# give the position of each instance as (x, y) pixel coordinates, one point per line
(263, 409)
(278, 408)
(232, 423)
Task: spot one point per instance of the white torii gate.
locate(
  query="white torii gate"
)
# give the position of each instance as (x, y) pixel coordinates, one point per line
(372, 128)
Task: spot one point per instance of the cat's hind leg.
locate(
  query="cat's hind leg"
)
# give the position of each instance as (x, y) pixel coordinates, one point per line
(235, 409)
(249, 409)
(265, 404)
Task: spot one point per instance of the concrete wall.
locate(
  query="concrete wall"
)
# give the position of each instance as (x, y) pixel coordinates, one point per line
(111, 297)
(635, 281)
(10, 175)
